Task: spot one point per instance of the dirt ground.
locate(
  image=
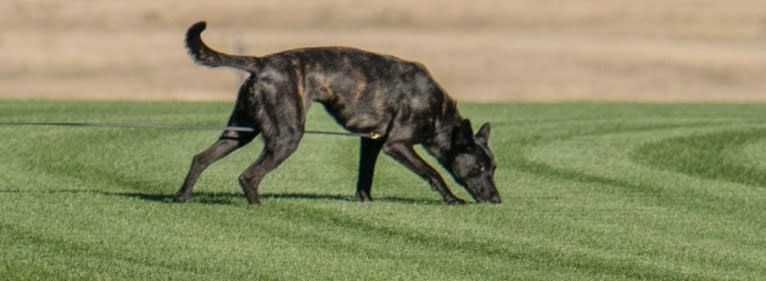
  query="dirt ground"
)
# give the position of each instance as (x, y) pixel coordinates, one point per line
(480, 50)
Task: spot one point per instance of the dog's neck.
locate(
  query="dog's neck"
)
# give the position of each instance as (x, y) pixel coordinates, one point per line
(441, 145)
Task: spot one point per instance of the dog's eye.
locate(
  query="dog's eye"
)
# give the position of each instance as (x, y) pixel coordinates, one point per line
(483, 169)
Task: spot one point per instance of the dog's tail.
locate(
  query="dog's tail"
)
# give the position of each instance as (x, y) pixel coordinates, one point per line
(205, 55)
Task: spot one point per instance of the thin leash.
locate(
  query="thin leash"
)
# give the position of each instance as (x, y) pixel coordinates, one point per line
(171, 126)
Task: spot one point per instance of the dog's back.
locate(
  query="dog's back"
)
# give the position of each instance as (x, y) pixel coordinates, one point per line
(364, 91)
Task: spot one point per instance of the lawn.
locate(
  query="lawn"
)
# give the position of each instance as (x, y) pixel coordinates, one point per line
(604, 191)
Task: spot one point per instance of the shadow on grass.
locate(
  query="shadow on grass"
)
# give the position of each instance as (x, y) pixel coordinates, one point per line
(230, 198)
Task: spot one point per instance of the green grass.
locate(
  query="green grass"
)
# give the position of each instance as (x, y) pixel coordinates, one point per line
(591, 192)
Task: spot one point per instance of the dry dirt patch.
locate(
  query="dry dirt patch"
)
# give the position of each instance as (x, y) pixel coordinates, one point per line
(479, 50)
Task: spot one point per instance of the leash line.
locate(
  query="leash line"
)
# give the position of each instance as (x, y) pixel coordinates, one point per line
(170, 126)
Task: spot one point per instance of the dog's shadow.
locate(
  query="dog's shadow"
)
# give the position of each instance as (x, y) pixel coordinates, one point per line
(230, 198)
(233, 198)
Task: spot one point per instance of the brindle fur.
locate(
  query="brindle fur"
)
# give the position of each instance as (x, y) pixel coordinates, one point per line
(365, 92)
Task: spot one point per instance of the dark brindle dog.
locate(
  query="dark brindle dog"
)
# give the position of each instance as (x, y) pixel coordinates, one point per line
(395, 101)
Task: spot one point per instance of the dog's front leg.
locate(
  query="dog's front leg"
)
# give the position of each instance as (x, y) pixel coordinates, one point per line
(406, 155)
(368, 154)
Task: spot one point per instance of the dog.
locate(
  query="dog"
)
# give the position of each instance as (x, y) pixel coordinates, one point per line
(395, 101)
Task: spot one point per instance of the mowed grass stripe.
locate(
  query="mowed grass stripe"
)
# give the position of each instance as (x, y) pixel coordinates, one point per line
(708, 156)
(486, 251)
(634, 188)
(582, 201)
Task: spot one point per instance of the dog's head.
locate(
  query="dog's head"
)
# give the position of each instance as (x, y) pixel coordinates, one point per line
(472, 164)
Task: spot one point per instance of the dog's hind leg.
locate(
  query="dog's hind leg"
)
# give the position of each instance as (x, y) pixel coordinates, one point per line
(228, 142)
(275, 151)
(282, 120)
(368, 154)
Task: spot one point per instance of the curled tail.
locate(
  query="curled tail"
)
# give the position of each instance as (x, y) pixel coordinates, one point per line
(205, 55)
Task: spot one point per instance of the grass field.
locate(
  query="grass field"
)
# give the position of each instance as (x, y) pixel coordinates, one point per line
(591, 192)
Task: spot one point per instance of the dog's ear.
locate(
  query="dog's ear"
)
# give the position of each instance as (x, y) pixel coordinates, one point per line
(482, 136)
(463, 134)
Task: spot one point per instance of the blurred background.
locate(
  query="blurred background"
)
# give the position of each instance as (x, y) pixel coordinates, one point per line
(479, 50)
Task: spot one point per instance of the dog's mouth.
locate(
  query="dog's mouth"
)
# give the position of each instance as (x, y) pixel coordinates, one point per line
(482, 198)
(484, 194)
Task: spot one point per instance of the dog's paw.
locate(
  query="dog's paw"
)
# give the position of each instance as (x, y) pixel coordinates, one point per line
(455, 201)
(180, 198)
(252, 199)
(362, 196)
